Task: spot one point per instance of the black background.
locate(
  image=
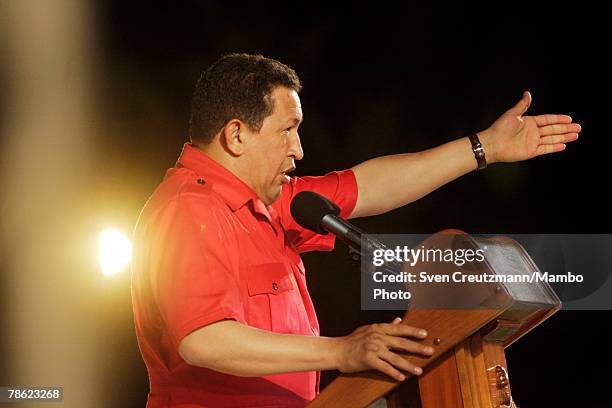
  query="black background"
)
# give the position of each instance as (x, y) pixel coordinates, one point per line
(381, 79)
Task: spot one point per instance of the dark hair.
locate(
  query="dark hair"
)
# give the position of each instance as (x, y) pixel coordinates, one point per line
(237, 86)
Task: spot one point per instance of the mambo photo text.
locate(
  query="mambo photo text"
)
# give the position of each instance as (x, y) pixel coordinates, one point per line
(411, 256)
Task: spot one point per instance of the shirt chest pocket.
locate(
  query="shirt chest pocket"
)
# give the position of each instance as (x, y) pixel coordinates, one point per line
(273, 298)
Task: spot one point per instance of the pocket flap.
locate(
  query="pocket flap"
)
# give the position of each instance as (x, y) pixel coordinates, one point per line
(272, 278)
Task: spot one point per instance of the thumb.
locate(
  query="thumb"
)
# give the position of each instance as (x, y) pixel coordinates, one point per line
(397, 320)
(521, 107)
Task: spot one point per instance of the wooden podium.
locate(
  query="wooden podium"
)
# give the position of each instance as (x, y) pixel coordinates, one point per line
(469, 327)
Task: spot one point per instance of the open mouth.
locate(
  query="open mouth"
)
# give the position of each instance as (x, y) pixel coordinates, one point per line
(284, 175)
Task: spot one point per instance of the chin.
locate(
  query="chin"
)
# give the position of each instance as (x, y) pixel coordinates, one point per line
(271, 198)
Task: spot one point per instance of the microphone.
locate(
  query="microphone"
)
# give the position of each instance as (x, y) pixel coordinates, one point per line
(318, 214)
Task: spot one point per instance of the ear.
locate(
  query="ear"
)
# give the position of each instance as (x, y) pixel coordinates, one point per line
(233, 136)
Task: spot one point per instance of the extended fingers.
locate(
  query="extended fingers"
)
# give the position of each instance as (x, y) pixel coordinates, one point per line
(555, 143)
(558, 129)
(399, 363)
(555, 132)
(398, 343)
(402, 330)
(386, 368)
(558, 139)
(550, 148)
(543, 120)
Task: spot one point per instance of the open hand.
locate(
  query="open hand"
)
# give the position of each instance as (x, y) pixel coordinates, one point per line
(514, 137)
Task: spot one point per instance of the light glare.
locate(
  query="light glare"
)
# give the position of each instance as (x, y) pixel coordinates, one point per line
(115, 251)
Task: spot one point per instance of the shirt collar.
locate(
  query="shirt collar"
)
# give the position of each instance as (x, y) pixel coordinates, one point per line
(232, 190)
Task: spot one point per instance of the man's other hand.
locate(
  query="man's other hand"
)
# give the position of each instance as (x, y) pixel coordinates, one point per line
(371, 347)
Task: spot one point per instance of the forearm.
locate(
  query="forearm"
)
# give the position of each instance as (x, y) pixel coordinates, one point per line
(233, 348)
(389, 182)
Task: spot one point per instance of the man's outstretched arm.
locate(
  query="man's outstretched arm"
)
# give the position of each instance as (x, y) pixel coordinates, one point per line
(389, 182)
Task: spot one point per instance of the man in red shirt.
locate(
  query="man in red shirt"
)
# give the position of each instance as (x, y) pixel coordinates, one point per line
(222, 312)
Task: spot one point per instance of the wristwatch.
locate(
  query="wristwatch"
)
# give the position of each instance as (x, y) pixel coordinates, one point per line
(478, 150)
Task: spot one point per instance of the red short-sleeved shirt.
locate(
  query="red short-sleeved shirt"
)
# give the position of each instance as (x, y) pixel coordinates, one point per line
(206, 249)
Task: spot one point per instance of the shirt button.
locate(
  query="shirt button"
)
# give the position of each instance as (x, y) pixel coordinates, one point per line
(201, 181)
(274, 285)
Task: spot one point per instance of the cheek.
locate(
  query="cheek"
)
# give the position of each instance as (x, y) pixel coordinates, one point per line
(273, 168)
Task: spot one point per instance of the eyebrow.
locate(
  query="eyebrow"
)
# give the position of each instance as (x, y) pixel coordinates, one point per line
(294, 121)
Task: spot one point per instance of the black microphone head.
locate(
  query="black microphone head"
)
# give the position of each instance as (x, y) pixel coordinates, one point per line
(308, 209)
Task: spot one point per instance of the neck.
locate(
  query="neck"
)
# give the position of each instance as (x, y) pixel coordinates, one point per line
(232, 163)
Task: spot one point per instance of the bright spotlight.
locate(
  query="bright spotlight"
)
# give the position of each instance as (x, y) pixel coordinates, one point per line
(115, 251)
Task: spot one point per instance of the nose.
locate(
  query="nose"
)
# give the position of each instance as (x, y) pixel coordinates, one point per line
(295, 149)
